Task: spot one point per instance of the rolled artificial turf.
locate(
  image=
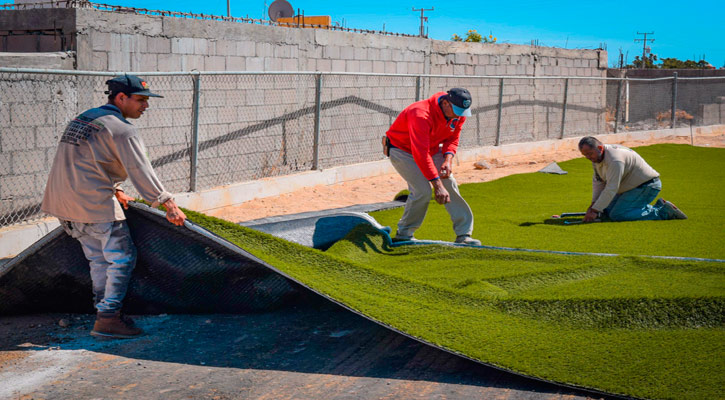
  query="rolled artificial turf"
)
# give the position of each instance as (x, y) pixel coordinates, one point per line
(516, 211)
(629, 325)
(577, 320)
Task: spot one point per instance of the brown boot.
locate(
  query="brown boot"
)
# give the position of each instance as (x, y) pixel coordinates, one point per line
(111, 325)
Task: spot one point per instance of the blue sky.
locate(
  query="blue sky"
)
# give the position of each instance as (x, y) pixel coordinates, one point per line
(682, 30)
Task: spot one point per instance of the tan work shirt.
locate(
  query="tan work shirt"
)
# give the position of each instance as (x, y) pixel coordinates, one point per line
(99, 149)
(622, 169)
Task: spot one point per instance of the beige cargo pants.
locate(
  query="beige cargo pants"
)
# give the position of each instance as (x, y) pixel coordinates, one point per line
(420, 195)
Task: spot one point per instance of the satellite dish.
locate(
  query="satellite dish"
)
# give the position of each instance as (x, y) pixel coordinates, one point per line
(280, 9)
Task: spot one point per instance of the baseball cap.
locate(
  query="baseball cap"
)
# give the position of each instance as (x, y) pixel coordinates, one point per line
(129, 84)
(460, 101)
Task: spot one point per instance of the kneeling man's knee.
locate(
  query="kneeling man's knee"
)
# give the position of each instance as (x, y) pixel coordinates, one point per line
(616, 216)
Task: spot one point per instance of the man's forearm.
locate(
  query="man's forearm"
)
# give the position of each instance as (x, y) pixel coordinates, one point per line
(441, 194)
(437, 184)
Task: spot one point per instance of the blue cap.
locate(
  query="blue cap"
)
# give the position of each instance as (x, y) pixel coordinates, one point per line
(460, 101)
(129, 84)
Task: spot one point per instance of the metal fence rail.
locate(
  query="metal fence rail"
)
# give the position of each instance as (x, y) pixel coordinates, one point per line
(217, 128)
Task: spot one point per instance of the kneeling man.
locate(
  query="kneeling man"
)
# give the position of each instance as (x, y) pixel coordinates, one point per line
(624, 185)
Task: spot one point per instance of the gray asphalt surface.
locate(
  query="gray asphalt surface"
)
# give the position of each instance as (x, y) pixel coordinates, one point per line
(313, 351)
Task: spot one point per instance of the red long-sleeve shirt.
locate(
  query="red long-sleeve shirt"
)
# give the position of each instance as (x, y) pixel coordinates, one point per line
(421, 128)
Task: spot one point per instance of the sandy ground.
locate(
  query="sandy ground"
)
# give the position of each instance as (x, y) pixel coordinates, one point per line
(384, 188)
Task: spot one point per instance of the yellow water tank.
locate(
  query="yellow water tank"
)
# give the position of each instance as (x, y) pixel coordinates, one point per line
(317, 21)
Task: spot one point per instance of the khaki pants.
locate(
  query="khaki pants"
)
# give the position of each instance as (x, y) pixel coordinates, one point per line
(420, 195)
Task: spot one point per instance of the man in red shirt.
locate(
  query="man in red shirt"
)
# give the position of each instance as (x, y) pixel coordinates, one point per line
(423, 140)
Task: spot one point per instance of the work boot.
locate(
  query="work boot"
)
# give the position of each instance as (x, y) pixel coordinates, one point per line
(467, 239)
(128, 320)
(673, 211)
(112, 325)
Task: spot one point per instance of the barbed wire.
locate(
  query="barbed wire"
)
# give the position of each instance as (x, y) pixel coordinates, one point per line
(80, 4)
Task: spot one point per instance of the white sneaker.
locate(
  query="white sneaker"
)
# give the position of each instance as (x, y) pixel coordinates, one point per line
(399, 239)
(467, 239)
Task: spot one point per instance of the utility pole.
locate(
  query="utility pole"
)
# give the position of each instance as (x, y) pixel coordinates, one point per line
(644, 45)
(621, 59)
(423, 19)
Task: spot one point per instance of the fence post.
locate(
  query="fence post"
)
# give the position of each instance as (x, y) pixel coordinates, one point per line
(500, 110)
(626, 99)
(617, 105)
(674, 101)
(417, 88)
(316, 143)
(563, 109)
(194, 153)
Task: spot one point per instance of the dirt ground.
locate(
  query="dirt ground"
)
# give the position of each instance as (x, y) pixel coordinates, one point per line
(384, 188)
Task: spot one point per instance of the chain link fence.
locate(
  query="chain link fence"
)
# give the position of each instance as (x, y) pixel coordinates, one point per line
(212, 129)
(635, 104)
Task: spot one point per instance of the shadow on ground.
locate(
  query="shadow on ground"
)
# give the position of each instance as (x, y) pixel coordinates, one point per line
(314, 350)
(554, 221)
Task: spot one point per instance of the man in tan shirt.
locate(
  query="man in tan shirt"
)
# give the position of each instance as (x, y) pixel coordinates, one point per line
(624, 185)
(98, 150)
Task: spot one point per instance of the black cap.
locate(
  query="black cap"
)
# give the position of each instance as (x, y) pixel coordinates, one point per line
(129, 84)
(461, 100)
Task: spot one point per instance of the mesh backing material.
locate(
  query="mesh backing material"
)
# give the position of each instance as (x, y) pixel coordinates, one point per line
(178, 271)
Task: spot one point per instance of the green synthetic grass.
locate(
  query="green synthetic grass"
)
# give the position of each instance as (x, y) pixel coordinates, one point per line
(628, 325)
(515, 211)
(631, 325)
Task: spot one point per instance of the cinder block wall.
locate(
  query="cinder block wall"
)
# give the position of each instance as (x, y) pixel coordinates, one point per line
(648, 99)
(32, 113)
(38, 30)
(256, 126)
(121, 42)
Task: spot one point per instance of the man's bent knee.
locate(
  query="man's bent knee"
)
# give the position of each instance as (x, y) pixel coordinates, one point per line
(422, 194)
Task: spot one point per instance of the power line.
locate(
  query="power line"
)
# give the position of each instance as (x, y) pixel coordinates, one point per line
(644, 45)
(423, 19)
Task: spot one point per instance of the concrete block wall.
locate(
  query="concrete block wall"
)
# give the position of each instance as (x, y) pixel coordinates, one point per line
(586, 107)
(32, 114)
(35, 109)
(109, 41)
(45, 60)
(121, 42)
(647, 99)
(712, 114)
(38, 30)
(358, 110)
(254, 126)
(532, 108)
(165, 127)
(696, 96)
(257, 126)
